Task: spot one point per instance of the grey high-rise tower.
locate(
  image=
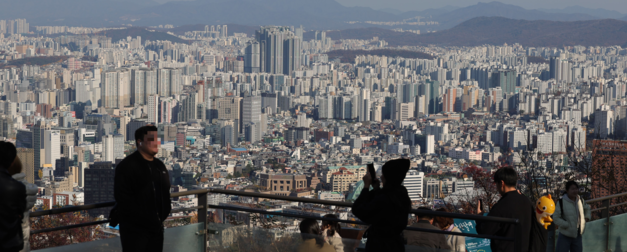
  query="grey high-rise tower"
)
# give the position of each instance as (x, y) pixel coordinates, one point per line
(251, 111)
(279, 48)
(252, 60)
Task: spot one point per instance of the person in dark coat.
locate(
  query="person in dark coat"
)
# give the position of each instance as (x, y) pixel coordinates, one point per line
(142, 195)
(387, 209)
(12, 202)
(512, 205)
(422, 241)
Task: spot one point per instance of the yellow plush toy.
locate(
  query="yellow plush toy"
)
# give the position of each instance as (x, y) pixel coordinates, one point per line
(545, 207)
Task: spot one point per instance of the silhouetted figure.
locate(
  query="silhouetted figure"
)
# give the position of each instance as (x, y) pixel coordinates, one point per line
(423, 241)
(142, 195)
(312, 240)
(12, 202)
(31, 198)
(386, 209)
(512, 205)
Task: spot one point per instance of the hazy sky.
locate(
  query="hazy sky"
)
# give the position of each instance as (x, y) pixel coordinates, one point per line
(618, 5)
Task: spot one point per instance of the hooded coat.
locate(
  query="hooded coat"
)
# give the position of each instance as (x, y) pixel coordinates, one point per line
(12, 202)
(386, 210)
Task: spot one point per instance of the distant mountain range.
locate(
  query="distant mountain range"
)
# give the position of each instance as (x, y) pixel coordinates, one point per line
(497, 9)
(313, 15)
(498, 30)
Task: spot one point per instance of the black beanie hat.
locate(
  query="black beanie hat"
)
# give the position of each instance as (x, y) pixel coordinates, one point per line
(394, 172)
(7, 154)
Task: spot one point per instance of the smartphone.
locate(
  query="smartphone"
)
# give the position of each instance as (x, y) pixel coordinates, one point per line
(373, 175)
(482, 206)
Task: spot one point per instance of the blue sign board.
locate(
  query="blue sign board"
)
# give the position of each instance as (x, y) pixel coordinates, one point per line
(472, 244)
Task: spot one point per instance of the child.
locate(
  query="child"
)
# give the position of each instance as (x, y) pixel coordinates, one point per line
(331, 234)
(312, 241)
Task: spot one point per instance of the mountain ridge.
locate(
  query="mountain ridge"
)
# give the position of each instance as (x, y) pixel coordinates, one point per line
(318, 15)
(498, 30)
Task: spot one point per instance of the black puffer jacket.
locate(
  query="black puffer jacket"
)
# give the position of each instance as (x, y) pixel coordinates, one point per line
(386, 210)
(12, 207)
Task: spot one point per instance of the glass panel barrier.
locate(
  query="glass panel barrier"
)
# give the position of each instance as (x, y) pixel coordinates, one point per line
(182, 238)
(223, 237)
(594, 237)
(618, 233)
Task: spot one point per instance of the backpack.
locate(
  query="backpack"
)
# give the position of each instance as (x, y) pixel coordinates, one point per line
(538, 236)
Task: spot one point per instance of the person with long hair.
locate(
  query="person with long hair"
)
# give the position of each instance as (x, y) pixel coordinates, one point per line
(331, 233)
(456, 242)
(312, 240)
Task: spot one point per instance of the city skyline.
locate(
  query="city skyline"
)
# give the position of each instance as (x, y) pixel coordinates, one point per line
(287, 110)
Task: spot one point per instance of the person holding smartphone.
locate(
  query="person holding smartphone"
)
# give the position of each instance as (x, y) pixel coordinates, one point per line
(386, 209)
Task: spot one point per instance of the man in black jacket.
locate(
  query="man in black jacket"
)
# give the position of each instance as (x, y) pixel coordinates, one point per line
(387, 209)
(511, 205)
(12, 202)
(422, 241)
(142, 195)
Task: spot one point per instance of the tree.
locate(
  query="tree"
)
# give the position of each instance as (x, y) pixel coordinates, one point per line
(237, 174)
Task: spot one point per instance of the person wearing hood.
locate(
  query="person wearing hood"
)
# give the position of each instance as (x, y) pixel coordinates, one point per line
(385, 210)
(15, 170)
(12, 202)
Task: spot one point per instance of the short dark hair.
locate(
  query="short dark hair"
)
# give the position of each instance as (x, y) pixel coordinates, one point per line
(143, 131)
(571, 183)
(506, 174)
(424, 216)
(309, 229)
(8, 152)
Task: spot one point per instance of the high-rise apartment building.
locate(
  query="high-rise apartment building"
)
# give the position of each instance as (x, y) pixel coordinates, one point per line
(280, 50)
(168, 110)
(112, 147)
(229, 108)
(609, 169)
(116, 89)
(27, 157)
(99, 179)
(252, 58)
(414, 182)
(52, 145)
(153, 109)
(251, 111)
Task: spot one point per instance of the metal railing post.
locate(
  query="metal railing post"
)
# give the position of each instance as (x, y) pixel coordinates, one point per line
(606, 214)
(202, 217)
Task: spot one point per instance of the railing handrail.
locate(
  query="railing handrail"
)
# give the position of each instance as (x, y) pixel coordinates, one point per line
(202, 196)
(279, 197)
(71, 209)
(606, 197)
(261, 211)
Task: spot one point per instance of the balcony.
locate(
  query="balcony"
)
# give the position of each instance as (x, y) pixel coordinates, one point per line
(272, 230)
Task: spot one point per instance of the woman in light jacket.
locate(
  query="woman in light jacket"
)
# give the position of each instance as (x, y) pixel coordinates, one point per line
(456, 242)
(571, 215)
(31, 197)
